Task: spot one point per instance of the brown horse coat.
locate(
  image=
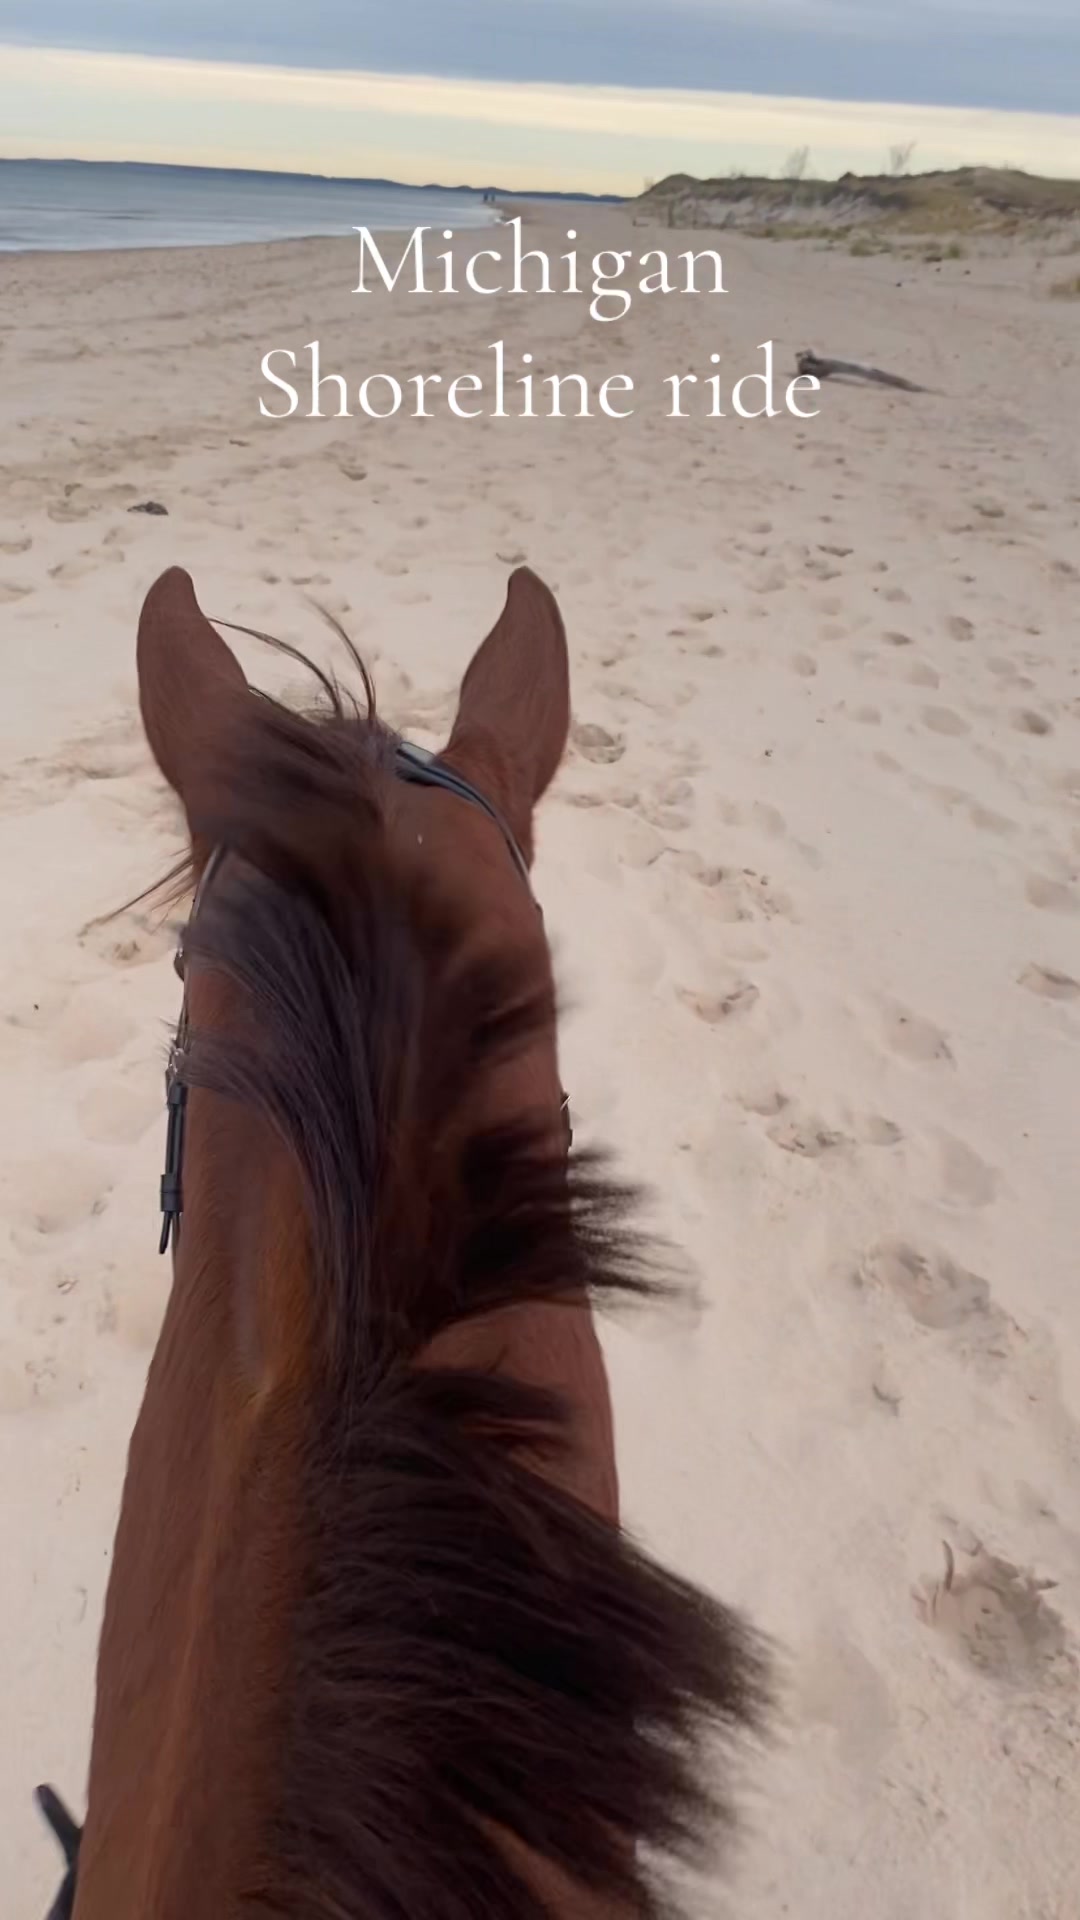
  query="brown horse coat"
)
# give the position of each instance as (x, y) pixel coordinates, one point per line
(374, 1643)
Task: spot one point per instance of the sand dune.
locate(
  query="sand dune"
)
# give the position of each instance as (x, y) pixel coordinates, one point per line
(812, 871)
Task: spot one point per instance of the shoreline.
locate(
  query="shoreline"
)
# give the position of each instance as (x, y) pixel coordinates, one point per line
(87, 207)
(532, 213)
(220, 246)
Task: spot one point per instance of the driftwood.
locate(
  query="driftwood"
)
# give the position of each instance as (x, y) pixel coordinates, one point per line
(810, 362)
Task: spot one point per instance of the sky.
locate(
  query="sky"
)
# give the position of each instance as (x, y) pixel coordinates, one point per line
(598, 94)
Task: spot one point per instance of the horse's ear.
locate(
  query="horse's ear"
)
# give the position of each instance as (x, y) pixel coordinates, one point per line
(188, 683)
(514, 708)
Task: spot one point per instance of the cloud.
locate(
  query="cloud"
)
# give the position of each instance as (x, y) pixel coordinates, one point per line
(943, 52)
(521, 134)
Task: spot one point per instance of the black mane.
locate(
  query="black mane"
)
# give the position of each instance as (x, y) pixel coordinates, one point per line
(479, 1665)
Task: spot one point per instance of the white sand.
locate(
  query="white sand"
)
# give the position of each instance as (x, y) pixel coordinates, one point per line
(815, 893)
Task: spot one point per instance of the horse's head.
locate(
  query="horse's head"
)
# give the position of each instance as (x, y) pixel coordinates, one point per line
(507, 739)
(373, 1642)
(506, 742)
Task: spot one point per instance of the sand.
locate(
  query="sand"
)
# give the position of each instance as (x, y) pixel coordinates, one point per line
(812, 873)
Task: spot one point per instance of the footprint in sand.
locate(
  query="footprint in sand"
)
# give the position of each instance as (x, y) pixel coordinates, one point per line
(736, 895)
(36, 1377)
(129, 940)
(988, 821)
(89, 761)
(670, 806)
(805, 1135)
(996, 1618)
(769, 819)
(1026, 721)
(716, 1008)
(1067, 782)
(959, 627)
(56, 1197)
(597, 744)
(966, 1181)
(938, 1293)
(913, 1038)
(764, 1099)
(943, 720)
(1051, 896)
(1049, 984)
(84, 564)
(11, 591)
(947, 797)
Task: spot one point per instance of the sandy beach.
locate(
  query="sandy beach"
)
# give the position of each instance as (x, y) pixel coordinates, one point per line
(812, 875)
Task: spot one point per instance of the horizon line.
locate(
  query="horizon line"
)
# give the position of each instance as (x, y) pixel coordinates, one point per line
(582, 140)
(330, 179)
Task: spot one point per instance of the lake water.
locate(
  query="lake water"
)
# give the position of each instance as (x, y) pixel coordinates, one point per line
(66, 206)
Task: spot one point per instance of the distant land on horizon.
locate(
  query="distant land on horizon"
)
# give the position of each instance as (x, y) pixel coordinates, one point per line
(976, 201)
(333, 179)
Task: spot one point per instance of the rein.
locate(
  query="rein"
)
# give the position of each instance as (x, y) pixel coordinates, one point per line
(69, 1835)
(418, 767)
(176, 1085)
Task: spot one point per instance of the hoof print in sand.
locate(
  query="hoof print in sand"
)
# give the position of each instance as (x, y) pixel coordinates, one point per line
(715, 1008)
(943, 1297)
(1049, 984)
(597, 744)
(916, 1039)
(805, 1136)
(1051, 896)
(128, 940)
(997, 1619)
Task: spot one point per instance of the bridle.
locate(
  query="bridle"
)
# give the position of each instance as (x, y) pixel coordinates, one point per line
(419, 768)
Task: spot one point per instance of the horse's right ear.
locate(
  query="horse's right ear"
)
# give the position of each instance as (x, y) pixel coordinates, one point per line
(513, 713)
(189, 682)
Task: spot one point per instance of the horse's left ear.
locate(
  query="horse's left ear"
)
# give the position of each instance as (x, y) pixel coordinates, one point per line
(513, 713)
(189, 681)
